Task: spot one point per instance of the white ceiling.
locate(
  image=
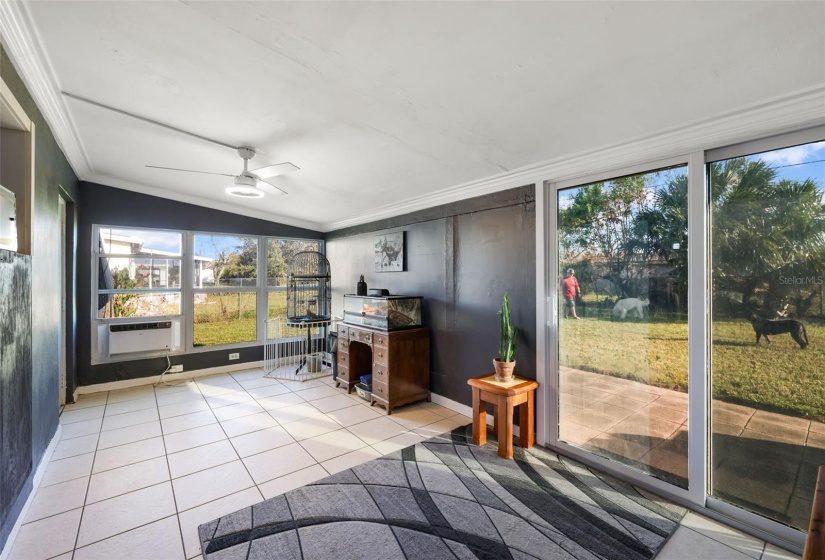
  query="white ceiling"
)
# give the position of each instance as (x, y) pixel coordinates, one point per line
(382, 103)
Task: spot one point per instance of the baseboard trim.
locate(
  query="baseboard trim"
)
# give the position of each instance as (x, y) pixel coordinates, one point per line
(38, 476)
(462, 409)
(151, 380)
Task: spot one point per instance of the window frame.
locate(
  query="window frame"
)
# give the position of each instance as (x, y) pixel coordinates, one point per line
(96, 291)
(187, 293)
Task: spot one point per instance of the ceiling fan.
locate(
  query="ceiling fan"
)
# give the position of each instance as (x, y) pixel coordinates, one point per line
(248, 184)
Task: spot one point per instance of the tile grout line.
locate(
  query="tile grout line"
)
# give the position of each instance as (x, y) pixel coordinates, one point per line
(169, 471)
(254, 483)
(89, 484)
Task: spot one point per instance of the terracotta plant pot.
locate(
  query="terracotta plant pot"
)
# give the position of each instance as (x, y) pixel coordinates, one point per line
(504, 370)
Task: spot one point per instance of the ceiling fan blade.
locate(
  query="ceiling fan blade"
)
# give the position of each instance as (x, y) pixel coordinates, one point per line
(275, 170)
(189, 170)
(268, 187)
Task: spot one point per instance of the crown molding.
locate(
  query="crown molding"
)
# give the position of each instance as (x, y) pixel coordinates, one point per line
(221, 205)
(22, 41)
(800, 109)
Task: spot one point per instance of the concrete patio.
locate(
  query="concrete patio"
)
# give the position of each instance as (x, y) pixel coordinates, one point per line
(762, 461)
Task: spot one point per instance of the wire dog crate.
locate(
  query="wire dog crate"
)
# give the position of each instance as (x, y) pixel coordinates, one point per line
(296, 350)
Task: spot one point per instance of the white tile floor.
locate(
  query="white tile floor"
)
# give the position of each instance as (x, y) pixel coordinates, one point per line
(136, 471)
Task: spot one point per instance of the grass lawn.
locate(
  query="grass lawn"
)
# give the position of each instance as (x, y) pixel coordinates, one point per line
(231, 317)
(780, 377)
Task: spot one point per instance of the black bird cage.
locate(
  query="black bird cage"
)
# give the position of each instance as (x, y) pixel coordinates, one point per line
(308, 290)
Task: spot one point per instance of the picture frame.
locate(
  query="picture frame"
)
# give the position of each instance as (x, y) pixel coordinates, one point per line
(389, 252)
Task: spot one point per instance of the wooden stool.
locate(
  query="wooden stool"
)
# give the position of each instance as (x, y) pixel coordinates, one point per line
(504, 397)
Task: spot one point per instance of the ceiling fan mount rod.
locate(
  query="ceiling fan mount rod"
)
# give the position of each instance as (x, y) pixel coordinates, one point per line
(246, 154)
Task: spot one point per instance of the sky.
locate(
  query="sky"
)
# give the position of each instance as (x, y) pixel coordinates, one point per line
(211, 245)
(158, 240)
(796, 163)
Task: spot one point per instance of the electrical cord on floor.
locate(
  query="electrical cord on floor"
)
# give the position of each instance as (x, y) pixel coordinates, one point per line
(163, 383)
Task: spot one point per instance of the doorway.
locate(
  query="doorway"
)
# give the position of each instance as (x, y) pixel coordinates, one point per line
(662, 276)
(62, 335)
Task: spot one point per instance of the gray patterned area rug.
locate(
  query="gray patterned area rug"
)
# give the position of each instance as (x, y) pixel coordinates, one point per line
(446, 498)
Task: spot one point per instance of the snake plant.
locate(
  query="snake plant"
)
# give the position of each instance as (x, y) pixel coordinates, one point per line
(507, 347)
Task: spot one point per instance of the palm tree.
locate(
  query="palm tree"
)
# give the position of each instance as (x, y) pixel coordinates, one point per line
(764, 231)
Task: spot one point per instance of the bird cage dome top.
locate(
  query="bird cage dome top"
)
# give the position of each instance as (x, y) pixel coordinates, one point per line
(309, 293)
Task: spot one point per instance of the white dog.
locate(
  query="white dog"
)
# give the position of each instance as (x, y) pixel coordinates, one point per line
(630, 304)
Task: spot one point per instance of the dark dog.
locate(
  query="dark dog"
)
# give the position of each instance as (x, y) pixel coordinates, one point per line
(764, 327)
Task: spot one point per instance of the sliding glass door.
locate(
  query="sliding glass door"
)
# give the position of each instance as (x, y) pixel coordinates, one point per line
(623, 331)
(626, 343)
(768, 330)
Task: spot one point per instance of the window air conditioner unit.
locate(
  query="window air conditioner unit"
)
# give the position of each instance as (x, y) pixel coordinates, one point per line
(140, 337)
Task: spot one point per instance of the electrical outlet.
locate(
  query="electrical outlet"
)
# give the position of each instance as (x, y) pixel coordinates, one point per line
(176, 369)
(234, 356)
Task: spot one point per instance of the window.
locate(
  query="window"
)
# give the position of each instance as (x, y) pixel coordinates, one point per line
(138, 273)
(225, 290)
(218, 289)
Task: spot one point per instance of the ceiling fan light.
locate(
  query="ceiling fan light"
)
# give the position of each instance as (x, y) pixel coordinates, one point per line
(245, 187)
(243, 191)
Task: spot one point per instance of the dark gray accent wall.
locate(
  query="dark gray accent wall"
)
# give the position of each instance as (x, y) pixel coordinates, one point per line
(103, 205)
(462, 257)
(52, 173)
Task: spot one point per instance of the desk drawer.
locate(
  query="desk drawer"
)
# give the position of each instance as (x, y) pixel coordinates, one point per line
(381, 340)
(380, 390)
(343, 359)
(361, 336)
(343, 373)
(343, 332)
(343, 344)
(380, 373)
(381, 355)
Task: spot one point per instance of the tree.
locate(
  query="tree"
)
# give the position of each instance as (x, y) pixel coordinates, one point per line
(243, 262)
(280, 253)
(124, 305)
(766, 234)
(667, 229)
(605, 221)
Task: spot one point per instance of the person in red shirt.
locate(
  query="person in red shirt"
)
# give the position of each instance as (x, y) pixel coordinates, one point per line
(570, 291)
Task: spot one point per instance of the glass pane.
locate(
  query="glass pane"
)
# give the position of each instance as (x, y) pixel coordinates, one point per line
(279, 253)
(137, 305)
(225, 317)
(223, 260)
(277, 304)
(768, 384)
(623, 352)
(133, 273)
(139, 242)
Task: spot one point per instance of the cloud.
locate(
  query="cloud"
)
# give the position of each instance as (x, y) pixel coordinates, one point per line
(794, 155)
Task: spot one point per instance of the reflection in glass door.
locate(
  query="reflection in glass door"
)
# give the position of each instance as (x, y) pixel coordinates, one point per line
(768, 330)
(623, 331)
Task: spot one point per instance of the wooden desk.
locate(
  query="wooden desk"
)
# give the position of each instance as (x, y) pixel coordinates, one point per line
(398, 360)
(504, 397)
